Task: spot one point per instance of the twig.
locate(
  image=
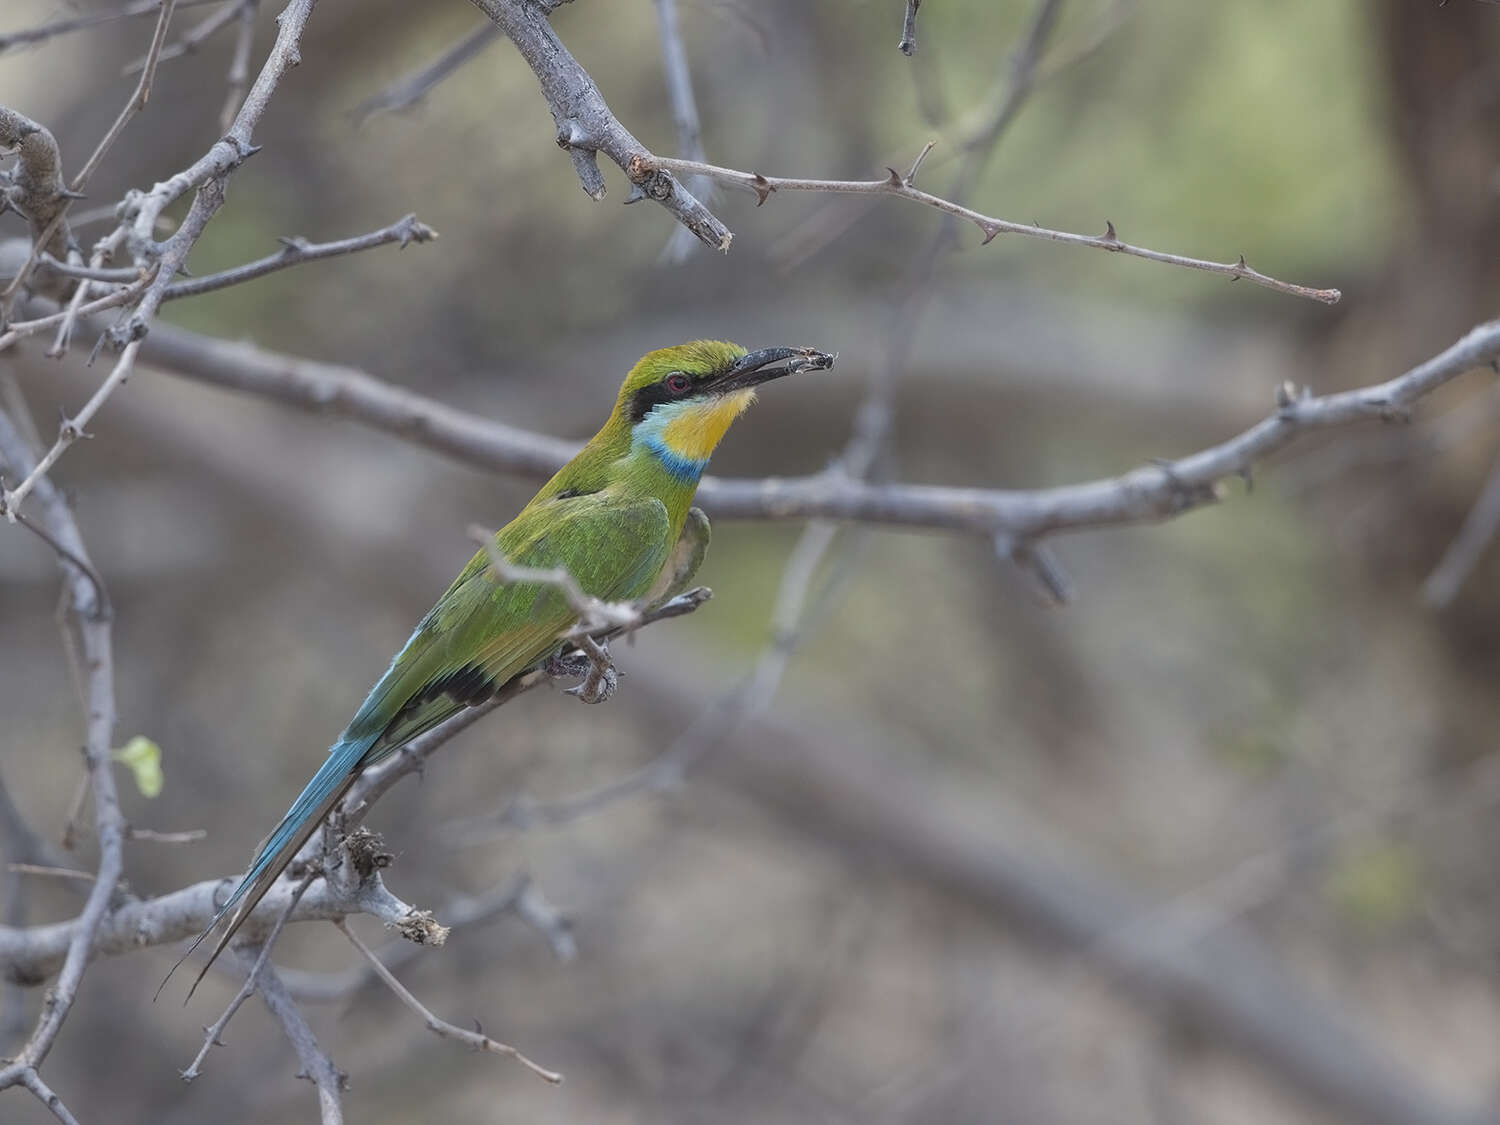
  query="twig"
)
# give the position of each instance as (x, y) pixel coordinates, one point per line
(61, 549)
(316, 1065)
(475, 1039)
(674, 63)
(593, 613)
(547, 920)
(406, 92)
(191, 39)
(458, 913)
(586, 127)
(50, 872)
(208, 174)
(34, 953)
(136, 103)
(1463, 555)
(296, 251)
(12, 39)
(122, 274)
(122, 296)
(33, 1082)
(69, 432)
(897, 185)
(239, 64)
(90, 616)
(708, 730)
(190, 836)
(908, 44)
(211, 1035)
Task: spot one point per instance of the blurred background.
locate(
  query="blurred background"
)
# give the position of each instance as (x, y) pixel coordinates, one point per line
(949, 874)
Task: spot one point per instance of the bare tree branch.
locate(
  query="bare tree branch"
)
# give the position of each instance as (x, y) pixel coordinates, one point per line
(908, 44)
(1226, 984)
(10, 40)
(295, 251)
(239, 64)
(1466, 551)
(44, 243)
(90, 616)
(901, 186)
(31, 955)
(685, 112)
(193, 38)
(585, 125)
(408, 91)
(316, 1064)
(1154, 492)
(141, 212)
(212, 1033)
(476, 1039)
(33, 1082)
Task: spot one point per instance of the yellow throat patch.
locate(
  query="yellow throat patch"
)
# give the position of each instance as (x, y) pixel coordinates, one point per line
(695, 431)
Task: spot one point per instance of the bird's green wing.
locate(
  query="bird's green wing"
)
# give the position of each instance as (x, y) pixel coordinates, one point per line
(481, 633)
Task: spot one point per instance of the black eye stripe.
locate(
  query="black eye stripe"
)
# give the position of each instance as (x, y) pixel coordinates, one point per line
(654, 394)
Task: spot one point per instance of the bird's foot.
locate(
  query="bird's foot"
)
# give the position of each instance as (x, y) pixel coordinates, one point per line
(601, 679)
(571, 665)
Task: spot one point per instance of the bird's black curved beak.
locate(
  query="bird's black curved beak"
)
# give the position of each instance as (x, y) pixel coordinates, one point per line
(762, 366)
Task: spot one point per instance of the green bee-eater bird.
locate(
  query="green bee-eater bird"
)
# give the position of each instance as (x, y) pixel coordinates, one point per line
(618, 517)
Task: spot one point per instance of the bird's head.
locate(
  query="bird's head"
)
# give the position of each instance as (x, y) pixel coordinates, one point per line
(679, 402)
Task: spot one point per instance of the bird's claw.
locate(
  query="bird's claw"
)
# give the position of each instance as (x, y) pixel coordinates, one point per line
(601, 679)
(598, 686)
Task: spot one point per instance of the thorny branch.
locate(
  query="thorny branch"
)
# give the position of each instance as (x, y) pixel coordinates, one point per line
(212, 1033)
(476, 1039)
(790, 622)
(585, 125)
(90, 617)
(316, 1065)
(44, 242)
(141, 212)
(901, 186)
(1152, 492)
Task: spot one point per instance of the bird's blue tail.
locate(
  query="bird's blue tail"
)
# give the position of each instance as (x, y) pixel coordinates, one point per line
(281, 847)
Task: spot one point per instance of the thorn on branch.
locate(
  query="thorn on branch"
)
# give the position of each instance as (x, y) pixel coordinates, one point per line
(1038, 564)
(763, 188)
(1109, 232)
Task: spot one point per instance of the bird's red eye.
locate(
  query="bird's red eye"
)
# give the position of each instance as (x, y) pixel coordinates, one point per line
(677, 383)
